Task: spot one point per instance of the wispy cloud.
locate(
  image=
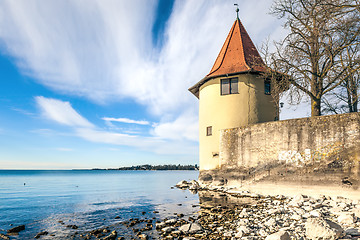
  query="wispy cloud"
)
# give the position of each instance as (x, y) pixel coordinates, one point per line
(125, 120)
(23, 111)
(102, 49)
(61, 112)
(161, 141)
(151, 144)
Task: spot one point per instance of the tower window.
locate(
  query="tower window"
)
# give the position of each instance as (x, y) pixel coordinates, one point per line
(209, 131)
(267, 87)
(229, 86)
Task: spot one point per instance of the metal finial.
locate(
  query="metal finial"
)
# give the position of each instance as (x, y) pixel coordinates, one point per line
(237, 10)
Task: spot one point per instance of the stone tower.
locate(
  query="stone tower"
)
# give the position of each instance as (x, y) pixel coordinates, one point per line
(233, 94)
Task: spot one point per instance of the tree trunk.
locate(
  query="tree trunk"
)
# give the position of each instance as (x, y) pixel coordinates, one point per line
(354, 97)
(315, 107)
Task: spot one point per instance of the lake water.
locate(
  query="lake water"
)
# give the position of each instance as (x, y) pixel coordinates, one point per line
(50, 200)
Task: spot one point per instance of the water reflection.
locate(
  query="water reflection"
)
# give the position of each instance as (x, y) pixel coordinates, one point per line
(214, 199)
(117, 217)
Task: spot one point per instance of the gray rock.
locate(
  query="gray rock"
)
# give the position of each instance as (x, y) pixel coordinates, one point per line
(41, 234)
(5, 237)
(296, 217)
(111, 236)
(171, 221)
(315, 213)
(356, 212)
(270, 223)
(194, 185)
(194, 228)
(143, 237)
(190, 228)
(239, 234)
(182, 184)
(244, 213)
(185, 228)
(346, 218)
(16, 229)
(321, 229)
(72, 226)
(263, 233)
(160, 225)
(244, 229)
(168, 229)
(308, 208)
(243, 222)
(281, 235)
(297, 201)
(352, 231)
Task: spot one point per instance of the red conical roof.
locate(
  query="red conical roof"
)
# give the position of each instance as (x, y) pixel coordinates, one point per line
(238, 54)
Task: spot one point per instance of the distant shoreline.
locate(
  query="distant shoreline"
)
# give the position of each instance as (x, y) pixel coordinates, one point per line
(145, 167)
(153, 168)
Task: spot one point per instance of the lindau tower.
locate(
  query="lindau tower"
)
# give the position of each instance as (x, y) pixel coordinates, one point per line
(233, 94)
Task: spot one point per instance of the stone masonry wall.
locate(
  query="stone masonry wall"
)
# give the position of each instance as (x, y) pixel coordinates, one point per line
(299, 142)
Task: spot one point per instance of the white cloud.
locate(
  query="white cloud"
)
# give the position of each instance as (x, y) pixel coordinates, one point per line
(22, 111)
(102, 49)
(184, 127)
(125, 120)
(151, 144)
(61, 112)
(161, 142)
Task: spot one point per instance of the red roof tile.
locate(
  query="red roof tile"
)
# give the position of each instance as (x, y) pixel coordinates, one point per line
(238, 54)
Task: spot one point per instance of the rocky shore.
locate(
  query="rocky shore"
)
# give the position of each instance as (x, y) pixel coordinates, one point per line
(274, 217)
(228, 214)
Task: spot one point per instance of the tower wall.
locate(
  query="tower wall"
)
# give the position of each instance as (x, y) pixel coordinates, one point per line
(250, 105)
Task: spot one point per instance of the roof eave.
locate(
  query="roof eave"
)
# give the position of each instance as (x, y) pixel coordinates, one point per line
(196, 88)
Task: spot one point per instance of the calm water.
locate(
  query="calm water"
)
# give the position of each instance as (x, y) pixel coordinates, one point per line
(89, 199)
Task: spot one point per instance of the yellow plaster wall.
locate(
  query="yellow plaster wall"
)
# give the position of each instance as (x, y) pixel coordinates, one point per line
(250, 105)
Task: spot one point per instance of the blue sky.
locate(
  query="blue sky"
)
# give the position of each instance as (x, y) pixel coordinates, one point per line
(88, 83)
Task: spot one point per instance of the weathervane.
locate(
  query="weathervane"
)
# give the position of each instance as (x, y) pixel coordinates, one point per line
(237, 10)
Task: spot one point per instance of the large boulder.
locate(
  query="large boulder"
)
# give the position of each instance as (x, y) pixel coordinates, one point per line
(322, 229)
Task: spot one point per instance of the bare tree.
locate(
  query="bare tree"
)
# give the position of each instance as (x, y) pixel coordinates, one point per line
(346, 97)
(320, 32)
(279, 82)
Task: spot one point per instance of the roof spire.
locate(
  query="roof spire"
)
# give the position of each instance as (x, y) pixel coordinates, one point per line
(237, 10)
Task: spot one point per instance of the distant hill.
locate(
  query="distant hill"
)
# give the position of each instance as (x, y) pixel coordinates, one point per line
(157, 167)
